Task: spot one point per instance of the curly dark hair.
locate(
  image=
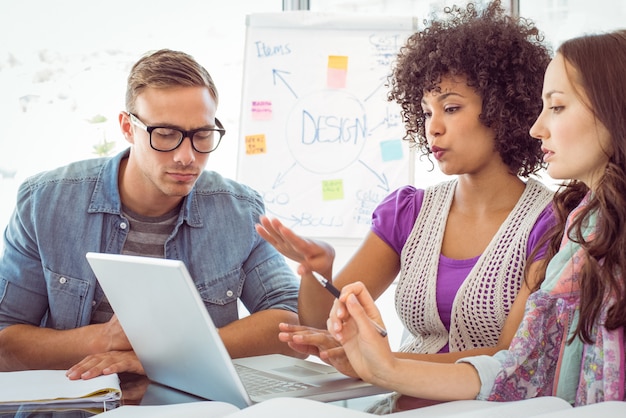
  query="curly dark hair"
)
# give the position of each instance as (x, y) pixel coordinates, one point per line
(502, 58)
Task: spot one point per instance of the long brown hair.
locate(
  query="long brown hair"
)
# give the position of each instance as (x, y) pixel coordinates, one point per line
(598, 62)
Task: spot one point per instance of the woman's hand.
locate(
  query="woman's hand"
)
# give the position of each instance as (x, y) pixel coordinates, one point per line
(350, 324)
(316, 342)
(312, 255)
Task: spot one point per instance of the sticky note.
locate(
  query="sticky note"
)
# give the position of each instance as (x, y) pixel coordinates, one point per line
(339, 62)
(332, 189)
(261, 110)
(255, 144)
(337, 71)
(391, 150)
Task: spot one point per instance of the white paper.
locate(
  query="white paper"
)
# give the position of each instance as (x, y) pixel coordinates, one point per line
(52, 386)
(188, 410)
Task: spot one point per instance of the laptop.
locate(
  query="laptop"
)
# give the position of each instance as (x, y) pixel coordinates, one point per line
(172, 333)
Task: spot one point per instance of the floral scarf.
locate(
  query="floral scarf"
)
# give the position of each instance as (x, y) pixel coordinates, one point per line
(540, 362)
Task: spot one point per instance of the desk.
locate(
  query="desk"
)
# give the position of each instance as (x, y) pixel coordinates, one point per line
(155, 394)
(139, 390)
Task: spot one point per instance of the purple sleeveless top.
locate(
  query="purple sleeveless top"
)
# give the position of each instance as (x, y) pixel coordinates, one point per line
(393, 221)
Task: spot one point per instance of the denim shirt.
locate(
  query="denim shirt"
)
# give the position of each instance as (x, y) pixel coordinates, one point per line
(61, 215)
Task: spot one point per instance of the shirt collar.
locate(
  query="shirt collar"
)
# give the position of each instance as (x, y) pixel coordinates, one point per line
(106, 195)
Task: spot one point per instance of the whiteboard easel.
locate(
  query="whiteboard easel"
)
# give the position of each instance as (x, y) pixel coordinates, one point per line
(318, 137)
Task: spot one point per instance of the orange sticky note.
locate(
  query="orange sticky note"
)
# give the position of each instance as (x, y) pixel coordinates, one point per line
(255, 144)
(340, 62)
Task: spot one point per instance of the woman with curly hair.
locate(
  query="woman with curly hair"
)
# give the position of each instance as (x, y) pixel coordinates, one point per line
(571, 340)
(469, 87)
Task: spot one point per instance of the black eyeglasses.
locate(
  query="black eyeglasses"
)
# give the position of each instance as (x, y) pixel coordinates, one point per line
(167, 138)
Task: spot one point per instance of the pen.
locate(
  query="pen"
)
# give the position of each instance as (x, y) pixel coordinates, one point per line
(335, 292)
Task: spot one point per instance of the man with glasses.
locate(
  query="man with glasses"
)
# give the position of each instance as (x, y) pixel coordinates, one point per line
(153, 199)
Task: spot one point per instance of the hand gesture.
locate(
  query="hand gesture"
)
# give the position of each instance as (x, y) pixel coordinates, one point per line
(312, 255)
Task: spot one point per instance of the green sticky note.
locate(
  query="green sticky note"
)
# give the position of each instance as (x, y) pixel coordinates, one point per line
(332, 189)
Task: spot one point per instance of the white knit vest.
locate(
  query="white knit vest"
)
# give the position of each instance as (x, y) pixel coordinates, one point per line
(484, 299)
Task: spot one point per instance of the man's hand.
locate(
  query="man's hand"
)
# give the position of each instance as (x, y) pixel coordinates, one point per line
(117, 354)
(113, 336)
(106, 363)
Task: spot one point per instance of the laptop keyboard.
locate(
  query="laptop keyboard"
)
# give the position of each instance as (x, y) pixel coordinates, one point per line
(259, 384)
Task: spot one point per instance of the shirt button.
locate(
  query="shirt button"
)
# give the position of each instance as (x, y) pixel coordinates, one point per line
(93, 303)
(229, 293)
(123, 225)
(62, 280)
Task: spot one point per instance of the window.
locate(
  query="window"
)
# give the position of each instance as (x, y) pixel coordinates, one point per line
(63, 68)
(563, 19)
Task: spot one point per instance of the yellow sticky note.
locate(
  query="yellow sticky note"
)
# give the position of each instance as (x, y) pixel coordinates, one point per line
(339, 62)
(256, 144)
(332, 189)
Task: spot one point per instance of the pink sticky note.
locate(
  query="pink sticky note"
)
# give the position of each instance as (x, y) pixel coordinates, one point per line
(261, 110)
(337, 71)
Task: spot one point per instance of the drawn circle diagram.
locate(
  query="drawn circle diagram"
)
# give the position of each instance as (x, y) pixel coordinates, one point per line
(327, 131)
